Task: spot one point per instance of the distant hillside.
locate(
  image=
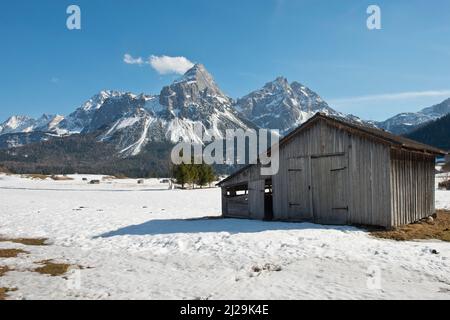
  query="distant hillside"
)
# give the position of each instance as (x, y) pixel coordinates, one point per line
(435, 133)
(405, 123)
(85, 154)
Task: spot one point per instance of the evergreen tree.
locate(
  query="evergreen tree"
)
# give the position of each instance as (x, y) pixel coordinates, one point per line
(205, 175)
(181, 174)
(200, 174)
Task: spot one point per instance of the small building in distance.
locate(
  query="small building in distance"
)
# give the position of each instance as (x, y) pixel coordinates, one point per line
(337, 172)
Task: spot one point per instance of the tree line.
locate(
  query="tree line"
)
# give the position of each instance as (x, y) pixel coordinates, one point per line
(194, 174)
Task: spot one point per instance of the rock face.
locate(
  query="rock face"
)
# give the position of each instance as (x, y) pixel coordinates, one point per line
(281, 105)
(196, 89)
(81, 118)
(404, 123)
(197, 98)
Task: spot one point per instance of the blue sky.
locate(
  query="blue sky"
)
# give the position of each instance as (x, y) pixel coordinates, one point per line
(324, 44)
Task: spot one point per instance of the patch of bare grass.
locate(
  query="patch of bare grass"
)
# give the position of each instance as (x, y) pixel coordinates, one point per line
(61, 178)
(11, 253)
(115, 177)
(4, 292)
(36, 176)
(52, 268)
(437, 228)
(3, 270)
(120, 176)
(4, 170)
(26, 241)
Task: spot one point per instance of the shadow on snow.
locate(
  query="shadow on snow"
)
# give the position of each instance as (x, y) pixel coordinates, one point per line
(215, 225)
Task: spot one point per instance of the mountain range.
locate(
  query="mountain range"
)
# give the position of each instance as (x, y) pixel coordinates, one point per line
(129, 123)
(405, 123)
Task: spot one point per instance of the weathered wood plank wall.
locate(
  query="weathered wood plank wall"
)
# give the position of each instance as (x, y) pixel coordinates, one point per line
(413, 185)
(368, 191)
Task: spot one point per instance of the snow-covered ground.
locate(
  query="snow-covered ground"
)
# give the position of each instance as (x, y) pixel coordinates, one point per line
(442, 197)
(148, 242)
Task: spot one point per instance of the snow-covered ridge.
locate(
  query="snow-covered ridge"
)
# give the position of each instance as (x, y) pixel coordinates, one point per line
(25, 124)
(282, 105)
(406, 122)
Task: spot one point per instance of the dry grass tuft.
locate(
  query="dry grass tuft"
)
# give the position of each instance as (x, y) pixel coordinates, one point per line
(4, 291)
(11, 253)
(26, 241)
(61, 178)
(438, 229)
(4, 170)
(115, 177)
(53, 269)
(3, 270)
(36, 176)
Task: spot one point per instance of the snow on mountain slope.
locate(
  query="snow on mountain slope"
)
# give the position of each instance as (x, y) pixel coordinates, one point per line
(131, 132)
(77, 121)
(16, 124)
(407, 122)
(281, 105)
(25, 124)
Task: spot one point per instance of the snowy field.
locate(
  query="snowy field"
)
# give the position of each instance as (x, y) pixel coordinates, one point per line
(148, 242)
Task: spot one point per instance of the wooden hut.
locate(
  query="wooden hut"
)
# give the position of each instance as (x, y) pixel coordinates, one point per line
(333, 171)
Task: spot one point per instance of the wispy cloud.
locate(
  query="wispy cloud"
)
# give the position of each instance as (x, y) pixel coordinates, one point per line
(162, 64)
(392, 96)
(128, 59)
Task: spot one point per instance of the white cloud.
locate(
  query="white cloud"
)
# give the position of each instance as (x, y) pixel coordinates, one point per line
(162, 64)
(128, 59)
(392, 96)
(167, 65)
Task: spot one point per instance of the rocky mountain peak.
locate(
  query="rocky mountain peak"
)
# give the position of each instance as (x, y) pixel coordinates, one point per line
(199, 76)
(280, 84)
(195, 89)
(97, 100)
(17, 124)
(281, 105)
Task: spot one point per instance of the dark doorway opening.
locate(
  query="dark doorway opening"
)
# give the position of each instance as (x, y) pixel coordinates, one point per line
(237, 200)
(268, 200)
